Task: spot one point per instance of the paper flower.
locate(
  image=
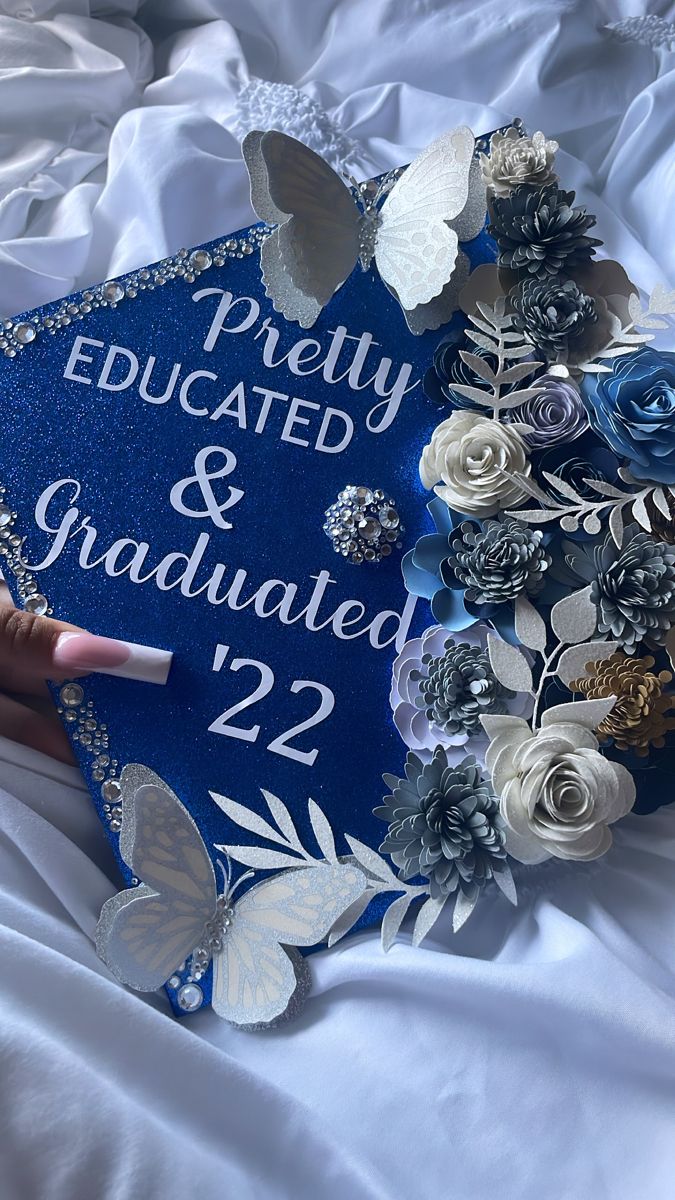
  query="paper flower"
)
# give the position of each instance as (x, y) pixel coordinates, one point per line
(592, 459)
(633, 588)
(633, 409)
(444, 824)
(556, 415)
(516, 161)
(539, 233)
(498, 560)
(441, 687)
(553, 314)
(471, 459)
(639, 718)
(558, 793)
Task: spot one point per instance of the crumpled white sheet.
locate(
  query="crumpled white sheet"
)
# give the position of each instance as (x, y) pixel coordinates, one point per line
(534, 1054)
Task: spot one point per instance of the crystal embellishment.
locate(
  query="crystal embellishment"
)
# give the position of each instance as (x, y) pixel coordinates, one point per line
(363, 524)
(190, 997)
(36, 603)
(71, 695)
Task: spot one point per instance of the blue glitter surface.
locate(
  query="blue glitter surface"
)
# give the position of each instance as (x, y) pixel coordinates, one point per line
(127, 453)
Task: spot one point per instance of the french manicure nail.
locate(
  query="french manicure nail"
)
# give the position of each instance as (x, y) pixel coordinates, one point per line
(107, 656)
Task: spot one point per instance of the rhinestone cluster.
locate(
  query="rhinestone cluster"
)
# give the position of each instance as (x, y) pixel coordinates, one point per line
(186, 265)
(363, 524)
(92, 734)
(10, 551)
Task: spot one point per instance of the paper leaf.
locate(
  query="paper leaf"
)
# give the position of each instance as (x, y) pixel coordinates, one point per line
(322, 832)
(509, 665)
(595, 368)
(519, 371)
(350, 916)
(393, 919)
(603, 488)
(473, 393)
(616, 526)
(639, 509)
(572, 661)
(246, 819)
(284, 820)
(502, 723)
(649, 322)
(483, 340)
(464, 906)
(589, 713)
(479, 366)
(538, 516)
(661, 301)
(659, 498)
(501, 873)
(562, 486)
(259, 858)
(373, 864)
(634, 307)
(427, 917)
(530, 626)
(519, 351)
(574, 618)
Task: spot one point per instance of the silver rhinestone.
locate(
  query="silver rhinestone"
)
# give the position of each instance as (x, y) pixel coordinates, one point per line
(36, 603)
(24, 333)
(111, 790)
(190, 997)
(174, 982)
(200, 260)
(5, 514)
(71, 695)
(97, 774)
(389, 518)
(112, 291)
(369, 528)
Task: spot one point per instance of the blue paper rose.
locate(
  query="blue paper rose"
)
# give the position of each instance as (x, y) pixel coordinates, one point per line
(633, 409)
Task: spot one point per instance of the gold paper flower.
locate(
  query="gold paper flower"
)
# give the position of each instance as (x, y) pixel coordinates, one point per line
(640, 717)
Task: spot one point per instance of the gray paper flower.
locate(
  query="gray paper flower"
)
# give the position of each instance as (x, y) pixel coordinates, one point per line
(444, 824)
(556, 414)
(633, 588)
(498, 560)
(539, 233)
(553, 315)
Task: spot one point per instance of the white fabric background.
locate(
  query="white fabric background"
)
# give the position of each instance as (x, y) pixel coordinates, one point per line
(532, 1056)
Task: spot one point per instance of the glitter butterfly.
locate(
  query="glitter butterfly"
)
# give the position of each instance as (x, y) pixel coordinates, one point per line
(176, 913)
(412, 235)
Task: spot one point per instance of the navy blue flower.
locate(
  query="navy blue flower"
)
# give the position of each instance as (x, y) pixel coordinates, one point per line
(633, 409)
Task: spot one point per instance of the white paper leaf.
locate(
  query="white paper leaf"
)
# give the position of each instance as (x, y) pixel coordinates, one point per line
(261, 859)
(634, 307)
(640, 513)
(350, 916)
(528, 485)
(509, 665)
(464, 906)
(574, 618)
(603, 488)
(246, 819)
(502, 723)
(518, 397)
(650, 322)
(562, 486)
(393, 919)
(486, 328)
(572, 661)
(661, 301)
(538, 516)
(595, 368)
(427, 918)
(492, 315)
(519, 371)
(284, 820)
(484, 341)
(322, 832)
(473, 393)
(616, 526)
(501, 872)
(530, 626)
(371, 861)
(589, 713)
(479, 366)
(659, 498)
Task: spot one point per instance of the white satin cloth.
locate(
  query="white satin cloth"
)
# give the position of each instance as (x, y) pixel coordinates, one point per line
(534, 1054)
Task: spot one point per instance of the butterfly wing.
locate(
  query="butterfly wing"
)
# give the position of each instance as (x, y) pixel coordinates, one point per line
(144, 933)
(416, 249)
(255, 979)
(317, 243)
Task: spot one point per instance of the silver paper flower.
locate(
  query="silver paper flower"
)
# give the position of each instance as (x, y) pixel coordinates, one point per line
(444, 824)
(515, 161)
(499, 560)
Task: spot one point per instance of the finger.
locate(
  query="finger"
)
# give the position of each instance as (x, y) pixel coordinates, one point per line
(22, 724)
(28, 645)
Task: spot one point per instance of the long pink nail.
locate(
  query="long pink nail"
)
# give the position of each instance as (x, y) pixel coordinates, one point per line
(87, 652)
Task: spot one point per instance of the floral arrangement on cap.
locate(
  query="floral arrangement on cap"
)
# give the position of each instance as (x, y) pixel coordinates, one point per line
(545, 677)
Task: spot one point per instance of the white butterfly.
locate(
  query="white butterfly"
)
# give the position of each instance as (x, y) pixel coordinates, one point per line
(322, 231)
(145, 933)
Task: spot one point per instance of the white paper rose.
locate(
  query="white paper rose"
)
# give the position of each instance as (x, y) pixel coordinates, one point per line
(470, 461)
(515, 160)
(558, 794)
(468, 694)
